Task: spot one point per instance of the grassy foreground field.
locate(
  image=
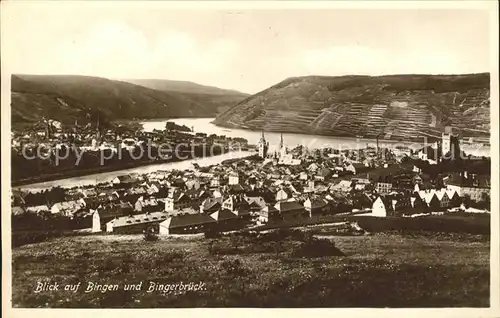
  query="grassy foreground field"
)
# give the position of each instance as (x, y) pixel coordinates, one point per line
(380, 270)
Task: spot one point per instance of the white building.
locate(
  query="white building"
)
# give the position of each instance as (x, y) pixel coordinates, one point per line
(378, 208)
(234, 178)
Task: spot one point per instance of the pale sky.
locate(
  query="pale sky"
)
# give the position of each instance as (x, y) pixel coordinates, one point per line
(246, 50)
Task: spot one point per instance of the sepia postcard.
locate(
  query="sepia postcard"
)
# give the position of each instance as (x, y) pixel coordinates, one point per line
(250, 158)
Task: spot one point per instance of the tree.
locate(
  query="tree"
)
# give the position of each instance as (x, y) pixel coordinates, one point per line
(485, 200)
(466, 200)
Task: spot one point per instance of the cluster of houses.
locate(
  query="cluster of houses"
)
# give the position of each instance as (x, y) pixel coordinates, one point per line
(249, 192)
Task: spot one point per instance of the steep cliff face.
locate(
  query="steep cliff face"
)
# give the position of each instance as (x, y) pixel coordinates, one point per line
(392, 107)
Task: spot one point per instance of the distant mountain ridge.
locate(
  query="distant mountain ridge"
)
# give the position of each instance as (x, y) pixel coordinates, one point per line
(71, 97)
(183, 87)
(217, 98)
(400, 107)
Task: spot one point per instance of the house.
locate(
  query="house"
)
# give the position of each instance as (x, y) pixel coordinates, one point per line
(216, 181)
(444, 200)
(235, 188)
(67, 208)
(290, 210)
(360, 186)
(283, 194)
(227, 220)
(17, 210)
(323, 174)
(383, 187)
(362, 201)
(124, 180)
(476, 187)
(177, 182)
(136, 223)
(153, 187)
(316, 206)
(146, 204)
(187, 224)
(268, 214)
(198, 196)
(429, 154)
(210, 205)
(177, 200)
(342, 186)
(37, 209)
(234, 178)
(106, 213)
(255, 204)
(356, 168)
(183, 211)
(381, 207)
(433, 203)
(296, 187)
(455, 199)
(236, 204)
(90, 192)
(193, 184)
(313, 167)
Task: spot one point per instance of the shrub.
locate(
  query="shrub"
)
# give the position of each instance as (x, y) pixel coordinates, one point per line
(212, 234)
(233, 267)
(150, 235)
(314, 247)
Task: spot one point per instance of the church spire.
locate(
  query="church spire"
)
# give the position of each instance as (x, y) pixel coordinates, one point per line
(263, 146)
(281, 141)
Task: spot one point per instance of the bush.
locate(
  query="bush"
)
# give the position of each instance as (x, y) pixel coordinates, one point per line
(150, 235)
(233, 267)
(212, 234)
(314, 247)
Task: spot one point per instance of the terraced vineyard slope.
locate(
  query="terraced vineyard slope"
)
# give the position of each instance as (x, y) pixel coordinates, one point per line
(391, 107)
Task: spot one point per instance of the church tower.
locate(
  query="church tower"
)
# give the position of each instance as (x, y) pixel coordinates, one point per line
(282, 149)
(96, 141)
(263, 146)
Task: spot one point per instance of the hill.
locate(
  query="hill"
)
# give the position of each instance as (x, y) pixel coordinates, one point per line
(417, 270)
(213, 97)
(393, 107)
(69, 97)
(183, 87)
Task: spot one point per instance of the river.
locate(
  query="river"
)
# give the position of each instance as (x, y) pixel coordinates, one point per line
(291, 140)
(108, 176)
(204, 125)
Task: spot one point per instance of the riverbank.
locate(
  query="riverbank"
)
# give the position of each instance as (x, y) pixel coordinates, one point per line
(81, 173)
(109, 173)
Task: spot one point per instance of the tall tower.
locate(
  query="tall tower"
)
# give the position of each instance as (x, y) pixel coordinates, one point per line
(446, 141)
(282, 150)
(263, 146)
(455, 150)
(98, 132)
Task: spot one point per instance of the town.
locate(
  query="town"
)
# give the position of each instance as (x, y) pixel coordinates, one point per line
(48, 150)
(285, 187)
